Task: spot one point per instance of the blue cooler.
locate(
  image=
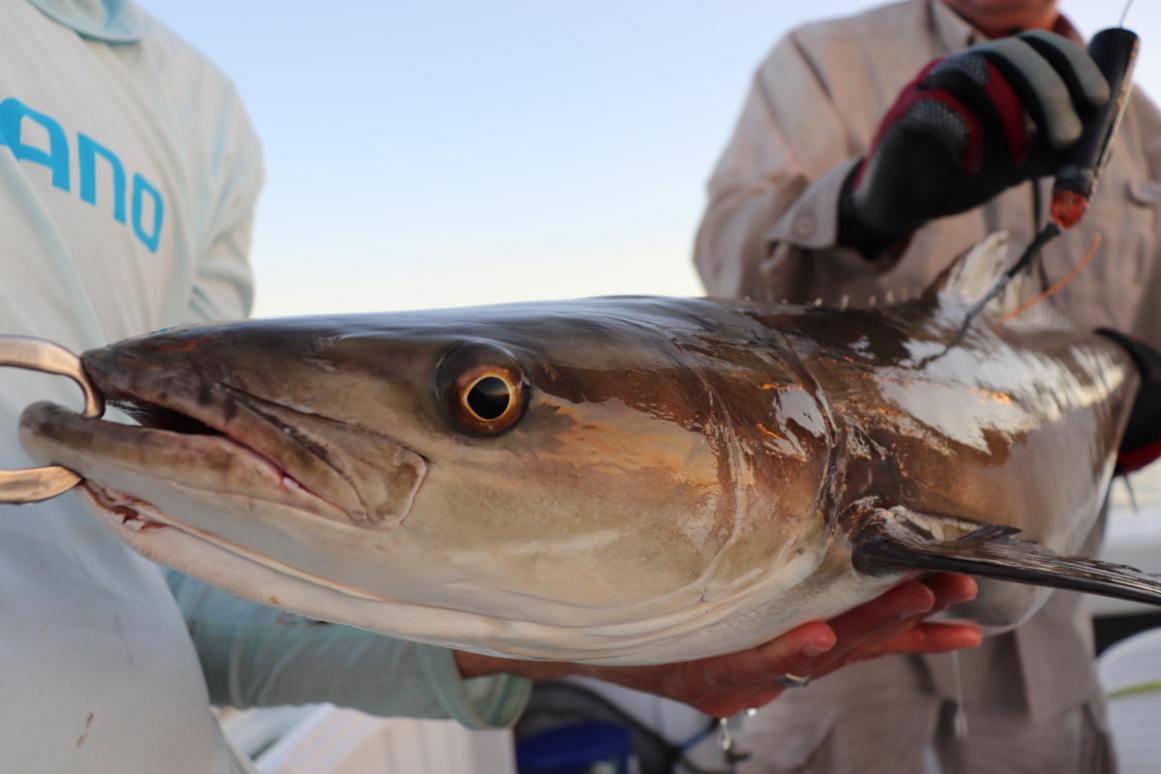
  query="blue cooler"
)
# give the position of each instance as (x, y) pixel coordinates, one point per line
(587, 748)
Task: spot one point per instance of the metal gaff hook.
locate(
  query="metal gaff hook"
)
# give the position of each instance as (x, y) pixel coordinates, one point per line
(33, 484)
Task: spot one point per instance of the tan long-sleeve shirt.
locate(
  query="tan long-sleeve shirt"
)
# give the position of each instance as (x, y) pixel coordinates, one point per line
(769, 233)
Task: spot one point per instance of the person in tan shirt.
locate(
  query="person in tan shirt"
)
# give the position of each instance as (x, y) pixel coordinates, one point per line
(778, 225)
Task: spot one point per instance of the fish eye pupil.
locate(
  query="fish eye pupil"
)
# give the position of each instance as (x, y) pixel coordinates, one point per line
(489, 398)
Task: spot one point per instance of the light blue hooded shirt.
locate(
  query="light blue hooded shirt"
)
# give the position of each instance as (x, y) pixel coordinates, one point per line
(128, 177)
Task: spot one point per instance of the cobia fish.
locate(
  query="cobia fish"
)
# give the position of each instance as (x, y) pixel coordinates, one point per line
(613, 480)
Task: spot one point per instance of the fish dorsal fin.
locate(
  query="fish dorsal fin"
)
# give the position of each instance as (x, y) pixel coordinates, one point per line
(972, 275)
(976, 270)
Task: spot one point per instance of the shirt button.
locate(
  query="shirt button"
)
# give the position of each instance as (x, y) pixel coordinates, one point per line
(1147, 192)
(804, 225)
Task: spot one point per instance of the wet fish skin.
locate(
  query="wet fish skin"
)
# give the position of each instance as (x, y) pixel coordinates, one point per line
(686, 477)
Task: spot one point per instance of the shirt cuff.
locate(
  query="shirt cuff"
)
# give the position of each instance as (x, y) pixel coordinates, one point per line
(480, 703)
(811, 222)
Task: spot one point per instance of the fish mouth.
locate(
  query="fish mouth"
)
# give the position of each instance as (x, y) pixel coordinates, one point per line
(215, 437)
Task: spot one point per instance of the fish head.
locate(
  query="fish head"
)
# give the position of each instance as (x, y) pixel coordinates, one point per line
(497, 478)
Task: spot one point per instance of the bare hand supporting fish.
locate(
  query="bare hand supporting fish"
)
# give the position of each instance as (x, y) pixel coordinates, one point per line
(614, 481)
(722, 686)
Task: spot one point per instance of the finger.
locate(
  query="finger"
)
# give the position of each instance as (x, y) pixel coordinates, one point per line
(867, 622)
(975, 86)
(867, 648)
(930, 638)
(726, 685)
(1042, 90)
(806, 662)
(1085, 82)
(912, 635)
(951, 589)
(763, 665)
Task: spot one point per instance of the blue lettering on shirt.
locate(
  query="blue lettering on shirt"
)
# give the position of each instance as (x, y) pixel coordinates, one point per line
(148, 205)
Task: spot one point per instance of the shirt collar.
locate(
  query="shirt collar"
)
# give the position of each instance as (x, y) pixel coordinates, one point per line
(956, 34)
(953, 32)
(111, 21)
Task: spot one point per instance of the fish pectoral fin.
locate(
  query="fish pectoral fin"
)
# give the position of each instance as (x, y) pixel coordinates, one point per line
(893, 538)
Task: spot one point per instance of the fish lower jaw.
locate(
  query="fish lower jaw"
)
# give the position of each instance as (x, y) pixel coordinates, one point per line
(133, 517)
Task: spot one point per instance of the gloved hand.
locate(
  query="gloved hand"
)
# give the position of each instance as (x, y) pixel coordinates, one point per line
(1141, 443)
(959, 134)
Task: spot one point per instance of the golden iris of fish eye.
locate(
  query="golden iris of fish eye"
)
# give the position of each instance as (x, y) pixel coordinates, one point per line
(480, 378)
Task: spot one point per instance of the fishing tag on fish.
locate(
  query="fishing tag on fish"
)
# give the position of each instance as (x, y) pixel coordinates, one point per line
(29, 485)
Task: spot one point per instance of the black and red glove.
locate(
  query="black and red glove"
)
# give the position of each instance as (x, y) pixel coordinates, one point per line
(967, 128)
(1141, 443)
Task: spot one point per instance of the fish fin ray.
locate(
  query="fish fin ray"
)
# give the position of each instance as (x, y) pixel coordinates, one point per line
(977, 270)
(990, 532)
(893, 538)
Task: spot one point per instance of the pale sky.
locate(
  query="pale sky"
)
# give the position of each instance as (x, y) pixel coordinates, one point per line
(445, 154)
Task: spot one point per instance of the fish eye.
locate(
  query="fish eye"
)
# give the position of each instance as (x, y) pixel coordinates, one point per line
(488, 399)
(484, 389)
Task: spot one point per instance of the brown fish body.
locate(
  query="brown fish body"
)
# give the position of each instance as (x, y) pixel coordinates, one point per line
(643, 480)
(1017, 428)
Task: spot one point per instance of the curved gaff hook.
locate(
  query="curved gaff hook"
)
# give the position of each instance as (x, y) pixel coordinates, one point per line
(33, 484)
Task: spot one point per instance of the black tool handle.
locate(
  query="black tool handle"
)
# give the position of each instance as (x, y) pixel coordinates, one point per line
(1115, 52)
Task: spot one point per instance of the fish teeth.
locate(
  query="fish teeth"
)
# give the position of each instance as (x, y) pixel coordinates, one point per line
(135, 523)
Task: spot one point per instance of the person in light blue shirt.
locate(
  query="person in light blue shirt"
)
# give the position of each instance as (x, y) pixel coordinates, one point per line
(129, 174)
